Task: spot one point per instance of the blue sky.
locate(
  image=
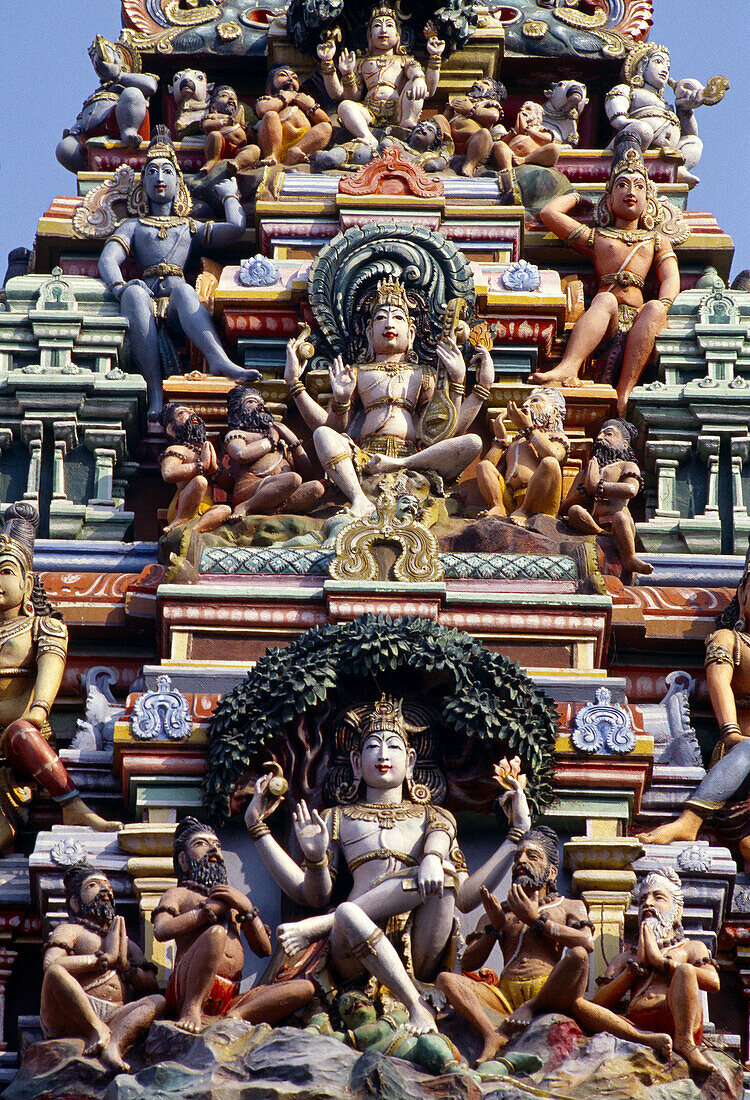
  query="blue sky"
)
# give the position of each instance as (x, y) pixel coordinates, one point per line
(46, 75)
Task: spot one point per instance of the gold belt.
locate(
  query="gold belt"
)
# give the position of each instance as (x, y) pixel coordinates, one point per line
(391, 445)
(622, 278)
(383, 853)
(162, 270)
(397, 402)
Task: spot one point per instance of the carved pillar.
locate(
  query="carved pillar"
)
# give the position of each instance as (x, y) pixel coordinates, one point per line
(31, 435)
(66, 438)
(708, 449)
(667, 455)
(7, 958)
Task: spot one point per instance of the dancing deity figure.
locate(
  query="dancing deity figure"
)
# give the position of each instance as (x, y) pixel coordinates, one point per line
(383, 87)
(33, 648)
(625, 247)
(402, 854)
(205, 916)
(97, 984)
(160, 239)
(393, 388)
(664, 972)
(292, 125)
(728, 679)
(599, 497)
(117, 109)
(636, 107)
(522, 477)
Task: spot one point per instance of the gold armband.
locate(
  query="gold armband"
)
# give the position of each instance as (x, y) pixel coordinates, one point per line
(296, 388)
(482, 392)
(255, 832)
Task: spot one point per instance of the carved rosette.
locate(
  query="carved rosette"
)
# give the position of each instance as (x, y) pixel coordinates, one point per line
(163, 714)
(603, 727)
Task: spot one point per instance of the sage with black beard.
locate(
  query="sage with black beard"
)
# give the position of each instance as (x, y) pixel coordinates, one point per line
(92, 972)
(189, 463)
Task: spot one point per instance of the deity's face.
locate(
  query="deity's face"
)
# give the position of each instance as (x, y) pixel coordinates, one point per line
(529, 116)
(390, 330)
(628, 197)
(384, 761)
(655, 70)
(530, 866)
(425, 135)
(384, 33)
(15, 585)
(160, 181)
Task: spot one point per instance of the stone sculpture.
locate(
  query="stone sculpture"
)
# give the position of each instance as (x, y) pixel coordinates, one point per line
(401, 851)
(429, 144)
(118, 108)
(475, 125)
(264, 466)
(625, 247)
(393, 387)
(204, 915)
(292, 125)
(97, 985)
(637, 109)
(522, 476)
(599, 497)
(529, 142)
(34, 645)
(564, 102)
(728, 678)
(385, 86)
(190, 91)
(226, 137)
(665, 971)
(160, 238)
(189, 463)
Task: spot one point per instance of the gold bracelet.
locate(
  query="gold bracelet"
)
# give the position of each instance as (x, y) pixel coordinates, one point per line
(255, 832)
(340, 407)
(434, 63)
(327, 67)
(667, 303)
(457, 387)
(350, 80)
(514, 835)
(482, 392)
(296, 388)
(316, 864)
(42, 705)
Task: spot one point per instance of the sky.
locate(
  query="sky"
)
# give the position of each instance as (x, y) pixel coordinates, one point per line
(46, 75)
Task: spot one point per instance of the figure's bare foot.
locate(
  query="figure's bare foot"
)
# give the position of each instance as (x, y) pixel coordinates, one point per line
(497, 511)
(170, 527)
(693, 1056)
(130, 137)
(421, 1020)
(76, 812)
(266, 162)
(296, 156)
(360, 508)
(558, 376)
(522, 1017)
(493, 1044)
(191, 1021)
(112, 1058)
(382, 464)
(293, 937)
(684, 827)
(242, 374)
(519, 517)
(637, 565)
(661, 1044)
(468, 169)
(98, 1040)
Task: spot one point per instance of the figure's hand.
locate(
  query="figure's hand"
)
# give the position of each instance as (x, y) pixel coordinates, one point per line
(513, 802)
(262, 805)
(286, 434)
(450, 356)
(524, 907)
(227, 189)
(293, 367)
(133, 282)
(327, 50)
(110, 949)
(216, 908)
(416, 88)
(306, 102)
(347, 62)
(688, 94)
(492, 908)
(521, 419)
(652, 955)
(36, 714)
(498, 426)
(435, 44)
(484, 367)
(431, 877)
(231, 898)
(593, 474)
(312, 833)
(343, 380)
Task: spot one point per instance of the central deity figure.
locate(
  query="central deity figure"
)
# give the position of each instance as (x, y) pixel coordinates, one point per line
(384, 87)
(392, 387)
(402, 855)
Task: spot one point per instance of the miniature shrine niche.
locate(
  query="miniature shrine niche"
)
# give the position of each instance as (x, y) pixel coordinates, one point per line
(374, 567)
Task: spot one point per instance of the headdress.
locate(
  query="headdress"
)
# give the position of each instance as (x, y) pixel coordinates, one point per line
(390, 292)
(17, 534)
(382, 11)
(102, 48)
(628, 431)
(636, 58)
(161, 147)
(384, 717)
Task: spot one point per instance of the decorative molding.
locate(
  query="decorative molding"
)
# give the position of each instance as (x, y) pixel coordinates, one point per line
(163, 714)
(603, 726)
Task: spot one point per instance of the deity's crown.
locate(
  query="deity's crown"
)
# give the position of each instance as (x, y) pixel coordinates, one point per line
(391, 292)
(385, 717)
(627, 156)
(382, 11)
(637, 56)
(162, 148)
(102, 49)
(11, 548)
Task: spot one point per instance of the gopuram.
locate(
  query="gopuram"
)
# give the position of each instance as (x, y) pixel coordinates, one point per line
(374, 570)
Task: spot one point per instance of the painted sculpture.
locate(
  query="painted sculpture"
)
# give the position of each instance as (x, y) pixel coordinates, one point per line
(475, 122)
(385, 86)
(226, 136)
(429, 144)
(522, 476)
(528, 142)
(160, 238)
(564, 102)
(599, 497)
(393, 389)
(32, 661)
(665, 971)
(205, 915)
(728, 678)
(97, 985)
(401, 851)
(292, 126)
(625, 247)
(190, 464)
(636, 107)
(264, 466)
(117, 109)
(190, 90)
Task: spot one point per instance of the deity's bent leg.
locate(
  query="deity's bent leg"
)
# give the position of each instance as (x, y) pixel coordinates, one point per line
(71, 154)
(137, 305)
(336, 459)
(356, 119)
(448, 458)
(598, 322)
(126, 1026)
(197, 325)
(130, 113)
(638, 348)
(431, 931)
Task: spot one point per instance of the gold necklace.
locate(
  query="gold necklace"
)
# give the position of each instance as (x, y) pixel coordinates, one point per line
(162, 222)
(389, 366)
(14, 628)
(630, 236)
(385, 813)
